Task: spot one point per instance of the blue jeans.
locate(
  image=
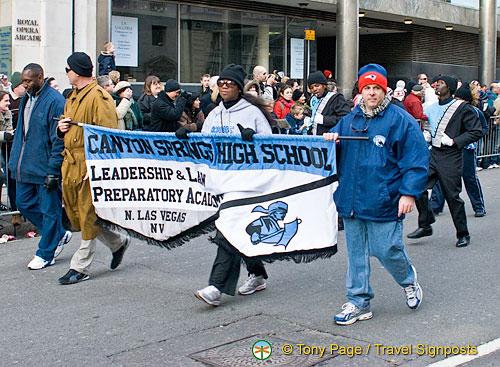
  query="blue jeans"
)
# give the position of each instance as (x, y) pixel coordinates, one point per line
(384, 240)
(44, 210)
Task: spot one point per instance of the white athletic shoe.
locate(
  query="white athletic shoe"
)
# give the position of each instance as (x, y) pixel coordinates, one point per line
(38, 263)
(64, 240)
(210, 295)
(252, 285)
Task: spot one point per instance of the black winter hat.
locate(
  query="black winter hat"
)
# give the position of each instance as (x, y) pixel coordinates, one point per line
(316, 77)
(451, 83)
(80, 63)
(236, 73)
(464, 93)
(172, 85)
(297, 93)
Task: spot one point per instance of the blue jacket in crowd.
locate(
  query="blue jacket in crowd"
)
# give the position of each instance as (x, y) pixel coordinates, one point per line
(374, 173)
(38, 153)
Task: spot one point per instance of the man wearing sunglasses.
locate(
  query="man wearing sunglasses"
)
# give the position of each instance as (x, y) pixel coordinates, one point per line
(379, 179)
(233, 115)
(88, 103)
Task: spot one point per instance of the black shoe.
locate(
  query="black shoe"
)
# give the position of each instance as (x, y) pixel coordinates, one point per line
(118, 254)
(421, 232)
(463, 241)
(480, 213)
(72, 277)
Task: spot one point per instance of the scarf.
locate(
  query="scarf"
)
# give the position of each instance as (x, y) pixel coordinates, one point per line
(372, 113)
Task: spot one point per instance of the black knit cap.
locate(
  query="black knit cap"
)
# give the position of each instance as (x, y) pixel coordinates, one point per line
(236, 73)
(172, 85)
(451, 83)
(80, 63)
(464, 93)
(297, 93)
(316, 77)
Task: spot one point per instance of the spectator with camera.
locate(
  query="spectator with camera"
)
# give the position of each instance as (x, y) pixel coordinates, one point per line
(168, 108)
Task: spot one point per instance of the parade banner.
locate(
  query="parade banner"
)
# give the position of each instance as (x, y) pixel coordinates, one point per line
(271, 198)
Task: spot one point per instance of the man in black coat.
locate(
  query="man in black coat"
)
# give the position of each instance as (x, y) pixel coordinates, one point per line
(327, 107)
(454, 125)
(166, 112)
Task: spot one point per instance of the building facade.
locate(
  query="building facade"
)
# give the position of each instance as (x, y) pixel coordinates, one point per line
(185, 39)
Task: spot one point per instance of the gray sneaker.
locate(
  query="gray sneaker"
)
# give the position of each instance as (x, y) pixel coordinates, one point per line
(252, 285)
(64, 240)
(350, 314)
(414, 293)
(210, 295)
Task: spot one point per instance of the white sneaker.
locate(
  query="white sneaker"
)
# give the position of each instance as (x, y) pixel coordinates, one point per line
(210, 295)
(38, 263)
(479, 169)
(414, 293)
(252, 285)
(64, 240)
(494, 165)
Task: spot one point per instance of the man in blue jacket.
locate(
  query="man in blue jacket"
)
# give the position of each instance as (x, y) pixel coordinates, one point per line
(379, 179)
(35, 163)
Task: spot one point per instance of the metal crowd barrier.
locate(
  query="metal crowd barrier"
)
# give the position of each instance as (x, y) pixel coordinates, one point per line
(489, 145)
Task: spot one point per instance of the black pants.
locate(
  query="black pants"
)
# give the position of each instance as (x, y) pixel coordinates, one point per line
(446, 167)
(226, 267)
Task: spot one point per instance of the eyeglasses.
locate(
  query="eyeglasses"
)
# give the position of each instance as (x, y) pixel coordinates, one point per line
(67, 70)
(227, 83)
(363, 130)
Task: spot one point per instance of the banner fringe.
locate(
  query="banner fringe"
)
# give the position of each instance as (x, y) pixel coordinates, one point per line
(305, 256)
(204, 227)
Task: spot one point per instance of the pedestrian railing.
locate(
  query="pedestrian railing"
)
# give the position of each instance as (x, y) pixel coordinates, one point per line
(488, 145)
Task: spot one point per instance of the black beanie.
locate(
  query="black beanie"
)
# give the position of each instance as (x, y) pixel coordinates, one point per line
(451, 83)
(316, 77)
(172, 85)
(464, 93)
(236, 73)
(297, 93)
(80, 63)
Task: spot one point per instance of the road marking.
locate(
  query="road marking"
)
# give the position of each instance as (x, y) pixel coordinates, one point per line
(482, 350)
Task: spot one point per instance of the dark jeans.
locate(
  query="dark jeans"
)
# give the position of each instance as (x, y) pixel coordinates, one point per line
(471, 182)
(445, 166)
(226, 268)
(43, 209)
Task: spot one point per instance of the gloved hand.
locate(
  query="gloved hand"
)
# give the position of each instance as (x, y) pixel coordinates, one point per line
(318, 119)
(427, 136)
(307, 121)
(246, 133)
(446, 140)
(51, 182)
(181, 133)
(8, 136)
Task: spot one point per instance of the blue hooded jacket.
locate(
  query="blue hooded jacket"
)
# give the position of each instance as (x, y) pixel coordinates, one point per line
(38, 153)
(374, 173)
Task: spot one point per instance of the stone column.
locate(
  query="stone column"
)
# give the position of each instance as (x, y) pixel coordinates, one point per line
(103, 24)
(263, 46)
(347, 45)
(487, 41)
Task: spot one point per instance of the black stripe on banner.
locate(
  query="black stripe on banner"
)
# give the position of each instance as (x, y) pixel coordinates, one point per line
(280, 194)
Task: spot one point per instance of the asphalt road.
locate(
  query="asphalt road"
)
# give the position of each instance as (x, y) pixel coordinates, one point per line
(145, 312)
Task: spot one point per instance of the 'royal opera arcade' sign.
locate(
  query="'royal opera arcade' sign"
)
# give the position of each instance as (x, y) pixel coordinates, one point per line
(272, 197)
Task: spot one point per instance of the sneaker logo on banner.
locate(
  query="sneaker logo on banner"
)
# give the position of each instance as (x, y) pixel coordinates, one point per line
(266, 229)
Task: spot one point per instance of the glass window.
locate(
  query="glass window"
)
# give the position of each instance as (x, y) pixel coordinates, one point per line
(212, 38)
(296, 29)
(157, 23)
